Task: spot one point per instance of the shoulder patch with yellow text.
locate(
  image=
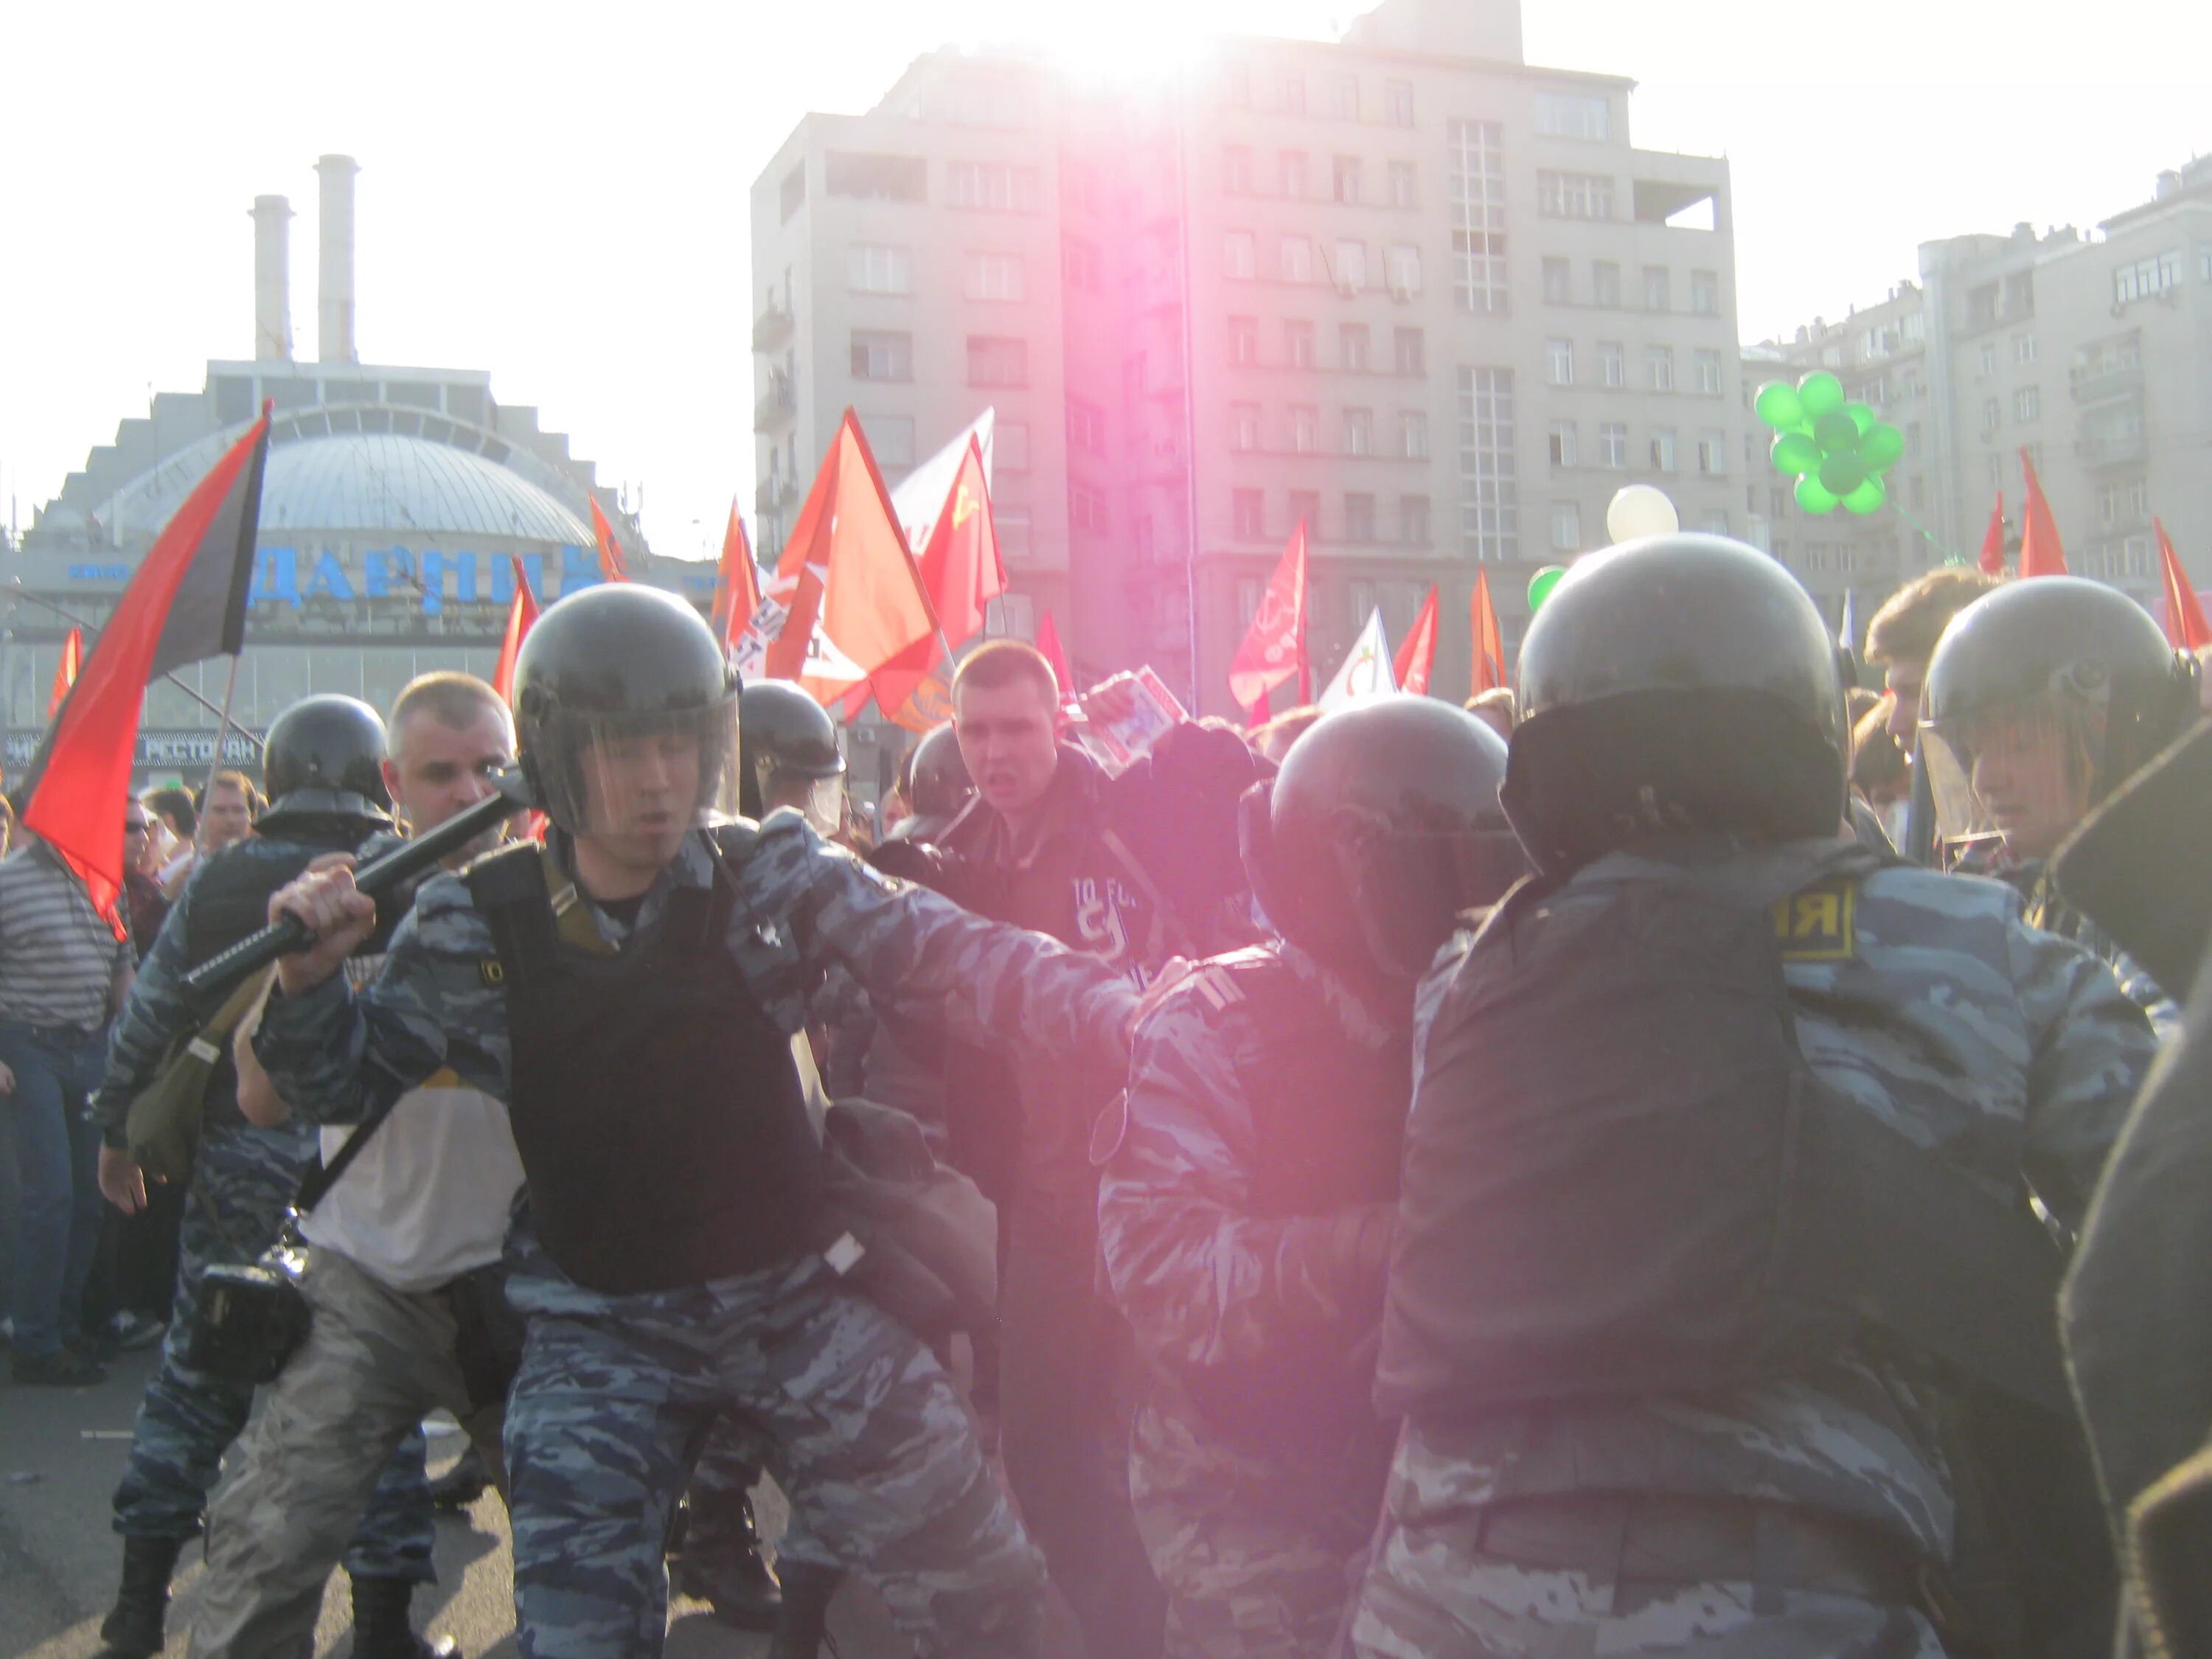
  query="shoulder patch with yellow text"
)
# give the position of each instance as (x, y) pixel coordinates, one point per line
(1816, 924)
(493, 970)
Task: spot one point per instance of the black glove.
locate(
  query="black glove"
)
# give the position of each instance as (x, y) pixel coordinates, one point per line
(1175, 810)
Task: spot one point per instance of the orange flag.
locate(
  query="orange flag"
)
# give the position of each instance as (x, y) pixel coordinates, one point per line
(1993, 540)
(612, 567)
(1488, 672)
(847, 588)
(2040, 554)
(737, 586)
(1274, 647)
(521, 612)
(2185, 626)
(1417, 655)
(65, 670)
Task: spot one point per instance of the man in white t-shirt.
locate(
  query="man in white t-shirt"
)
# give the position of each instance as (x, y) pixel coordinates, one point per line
(402, 1271)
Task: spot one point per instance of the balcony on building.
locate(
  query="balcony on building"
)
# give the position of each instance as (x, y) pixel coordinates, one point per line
(778, 403)
(772, 328)
(2097, 383)
(2113, 449)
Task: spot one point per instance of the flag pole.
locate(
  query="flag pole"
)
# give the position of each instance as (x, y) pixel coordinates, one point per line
(223, 724)
(75, 621)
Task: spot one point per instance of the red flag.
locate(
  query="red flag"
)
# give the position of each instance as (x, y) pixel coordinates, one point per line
(2185, 626)
(185, 601)
(2040, 554)
(521, 612)
(737, 585)
(1417, 655)
(852, 599)
(1274, 647)
(1489, 672)
(65, 670)
(961, 573)
(1993, 540)
(612, 565)
(1047, 641)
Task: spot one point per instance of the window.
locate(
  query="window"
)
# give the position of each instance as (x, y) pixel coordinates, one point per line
(1078, 187)
(1246, 516)
(1295, 260)
(1566, 526)
(1398, 103)
(1305, 509)
(1475, 153)
(1490, 510)
(879, 268)
(1707, 365)
(1612, 364)
(1293, 163)
(1082, 266)
(1359, 516)
(996, 361)
(1574, 195)
(1294, 91)
(1351, 266)
(1559, 282)
(1408, 351)
(2146, 277)
(1351, 342)
(1241, 257)
(876, 178)
(1612, 445)
(1236, 169)
(1663, 449)
(1712, 453)
(1413, 435)
(2204, 265)
(1572, 115)
(2027, 404)
(1086, 427)
(993, 277)
(2023, 350)
(1305, 428)
(1992, 416)
(1657, 289)
(1359, 432)
(1605, 283)
(1413, 521)
(1988, 356)
(1343, 97)
(1243, 426)
(1912, 440)
(1405, 186)
(1560, 362)
(1402, 264)
(1010, 447)
(1705, 294)
(1563, 443)
(881, 355)
(1086, 507)
(890, 439)
(1659, 367)
(1243, 341)
(998, 186)
(1299, 344)
(1344, 174)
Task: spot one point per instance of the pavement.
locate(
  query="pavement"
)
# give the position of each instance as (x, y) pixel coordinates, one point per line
(62, 1451)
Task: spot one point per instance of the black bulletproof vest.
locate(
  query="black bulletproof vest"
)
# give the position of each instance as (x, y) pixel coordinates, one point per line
(663, 1131)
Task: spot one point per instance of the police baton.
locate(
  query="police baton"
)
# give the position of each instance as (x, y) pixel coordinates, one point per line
(379, 876)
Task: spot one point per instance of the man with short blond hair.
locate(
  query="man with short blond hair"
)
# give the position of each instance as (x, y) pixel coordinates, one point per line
(1902, 637)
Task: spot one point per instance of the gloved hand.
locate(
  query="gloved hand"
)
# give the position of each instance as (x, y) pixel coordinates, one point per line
(1175, 810)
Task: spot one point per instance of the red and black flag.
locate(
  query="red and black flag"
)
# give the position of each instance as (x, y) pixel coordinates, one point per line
(185, 601)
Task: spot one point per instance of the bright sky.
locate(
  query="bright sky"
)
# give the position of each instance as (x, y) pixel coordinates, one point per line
(557, 193)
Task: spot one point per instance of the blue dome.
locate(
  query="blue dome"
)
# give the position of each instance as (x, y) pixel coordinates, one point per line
(386, 482)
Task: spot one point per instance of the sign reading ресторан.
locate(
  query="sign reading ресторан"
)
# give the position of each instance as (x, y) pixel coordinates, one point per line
(157, 750)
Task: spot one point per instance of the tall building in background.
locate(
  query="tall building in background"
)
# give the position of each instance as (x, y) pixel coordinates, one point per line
(1403, 286)
(2094, 354)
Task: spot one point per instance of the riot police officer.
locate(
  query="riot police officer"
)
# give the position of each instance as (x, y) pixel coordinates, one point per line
(1710, 1204)
(1251, 1174)
(936, 786)
(788, 756)
(322, 765)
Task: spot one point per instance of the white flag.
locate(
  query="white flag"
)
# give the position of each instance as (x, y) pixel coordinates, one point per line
(921, 494)
(1367, 672)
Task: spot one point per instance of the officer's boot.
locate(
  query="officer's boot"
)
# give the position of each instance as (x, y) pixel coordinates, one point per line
(381, 1629)
(727, 1570)
(808, 1590)
(133, 1628)
(463, 1484)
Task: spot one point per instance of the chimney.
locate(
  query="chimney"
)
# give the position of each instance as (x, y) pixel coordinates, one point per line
(272, 279)
(2169, 184)
(334, 268)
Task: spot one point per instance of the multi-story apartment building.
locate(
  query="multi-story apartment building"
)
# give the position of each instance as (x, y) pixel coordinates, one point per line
(1404, 286)
(2093, 355)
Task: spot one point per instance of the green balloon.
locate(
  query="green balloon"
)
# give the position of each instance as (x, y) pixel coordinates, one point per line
(1541, 584)
(1881, 446)
(1837, 432)
(1868, 498)
(1842, 474)
(1795, 453)
(1776, 405)
(1813, 498)
(1819, 392)
(1863, 416)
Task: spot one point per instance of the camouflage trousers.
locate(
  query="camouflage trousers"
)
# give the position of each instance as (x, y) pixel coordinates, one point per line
(245, 1180)
(1258, 1555)
(728, 1469)
(858, 1422)
(375, 1361)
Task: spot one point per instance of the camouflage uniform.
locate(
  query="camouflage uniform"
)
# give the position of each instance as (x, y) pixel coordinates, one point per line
(1253, 1535)
(1545, 1530)
(2047, 910)
(618, 1391)
(242, 1184)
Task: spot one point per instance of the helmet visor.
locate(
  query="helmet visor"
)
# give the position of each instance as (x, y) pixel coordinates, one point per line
(625, 776)
(2025, 772)
(1410, 888)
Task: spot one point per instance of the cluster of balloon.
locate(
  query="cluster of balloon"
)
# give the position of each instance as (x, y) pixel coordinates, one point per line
(1836, 450)
(1635, 512)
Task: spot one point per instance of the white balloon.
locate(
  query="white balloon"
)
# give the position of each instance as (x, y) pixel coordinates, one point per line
(1640, 510)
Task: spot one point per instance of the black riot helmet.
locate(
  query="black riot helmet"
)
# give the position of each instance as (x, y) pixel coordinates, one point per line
(2059, 689)
(323, 758)
(616, 663)
(938, 785)
(1677, 682)
(788, 755)
(1383, 825)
